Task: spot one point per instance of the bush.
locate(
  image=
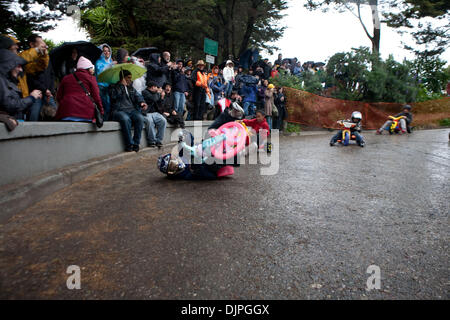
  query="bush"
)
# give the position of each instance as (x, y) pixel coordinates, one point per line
(445, 122)
(424, 95)
(293, 128)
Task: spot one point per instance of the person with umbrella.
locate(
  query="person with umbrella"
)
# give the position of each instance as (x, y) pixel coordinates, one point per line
(64, 58)
(126, 103)
(74, 104)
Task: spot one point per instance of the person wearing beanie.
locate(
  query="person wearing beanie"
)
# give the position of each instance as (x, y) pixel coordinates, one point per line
(9, 43)
(74, 104)
(269, 103)
(85, 64)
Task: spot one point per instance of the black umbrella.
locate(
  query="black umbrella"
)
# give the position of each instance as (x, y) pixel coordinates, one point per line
(145, 53)
(86, 49)
(319, 64)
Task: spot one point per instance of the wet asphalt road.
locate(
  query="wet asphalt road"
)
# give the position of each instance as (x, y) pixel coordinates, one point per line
(309, 232)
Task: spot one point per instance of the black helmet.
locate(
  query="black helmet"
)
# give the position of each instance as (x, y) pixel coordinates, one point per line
(407, 106)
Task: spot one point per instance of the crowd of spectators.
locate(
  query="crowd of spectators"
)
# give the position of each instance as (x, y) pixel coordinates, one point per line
(170, 91)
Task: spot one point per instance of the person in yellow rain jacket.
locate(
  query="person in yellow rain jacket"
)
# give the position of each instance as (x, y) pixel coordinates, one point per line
(37, 58)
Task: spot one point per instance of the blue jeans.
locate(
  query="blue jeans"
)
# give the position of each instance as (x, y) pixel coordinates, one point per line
(35, 109)
(106, 102)
(180, 100)
(269, 121)
(156, 121)
(249, 108)
(357, 135)
(229, 89)
(128, 119)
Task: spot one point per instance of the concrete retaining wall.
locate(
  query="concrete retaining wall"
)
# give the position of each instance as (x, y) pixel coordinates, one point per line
(34, 148)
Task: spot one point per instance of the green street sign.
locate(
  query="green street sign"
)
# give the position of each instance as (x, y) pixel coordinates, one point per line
(211, 47)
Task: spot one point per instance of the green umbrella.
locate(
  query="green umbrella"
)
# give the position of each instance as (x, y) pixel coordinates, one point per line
(112, 75)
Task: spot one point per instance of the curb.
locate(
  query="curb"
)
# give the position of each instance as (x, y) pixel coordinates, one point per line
(305, 133)
(19, 196)
(315, 133)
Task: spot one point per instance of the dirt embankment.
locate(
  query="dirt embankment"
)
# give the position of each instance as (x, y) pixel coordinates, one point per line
(312, 110)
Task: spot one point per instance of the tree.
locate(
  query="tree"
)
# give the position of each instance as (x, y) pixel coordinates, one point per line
(181, 26)
(21, 19)
(363, 76)
(354, 6)
(402, 15)
(435, 39)
(430, 73)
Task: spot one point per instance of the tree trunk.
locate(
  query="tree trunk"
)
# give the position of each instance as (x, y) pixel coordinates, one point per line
(376, 40)
(376, 26)
(251, 19)
(247, 35)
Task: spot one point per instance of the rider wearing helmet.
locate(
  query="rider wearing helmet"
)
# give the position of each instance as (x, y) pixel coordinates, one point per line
(232, 113)
(178, 167)
(404, 123)
(356, 131)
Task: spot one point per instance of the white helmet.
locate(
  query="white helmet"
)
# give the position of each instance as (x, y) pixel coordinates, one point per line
(236, 111)
(357, 115)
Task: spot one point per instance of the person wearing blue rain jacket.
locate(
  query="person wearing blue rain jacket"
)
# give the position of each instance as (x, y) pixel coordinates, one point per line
(104, 62)
(218, 88)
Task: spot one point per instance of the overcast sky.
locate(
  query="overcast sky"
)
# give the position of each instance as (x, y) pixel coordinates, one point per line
(309, 35)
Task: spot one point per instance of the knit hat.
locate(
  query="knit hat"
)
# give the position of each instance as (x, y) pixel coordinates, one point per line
(12, 38)
(84, 63)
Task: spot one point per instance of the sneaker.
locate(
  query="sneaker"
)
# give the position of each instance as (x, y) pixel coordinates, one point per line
(129, 149)
(379, 132)
(135, 148)
(332, 143)
(152, 145)
(362, 144)
(159, 145)
(269, 147)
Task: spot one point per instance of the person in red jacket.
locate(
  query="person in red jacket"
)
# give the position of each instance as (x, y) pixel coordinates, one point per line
(260, 125)
(74, 104)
